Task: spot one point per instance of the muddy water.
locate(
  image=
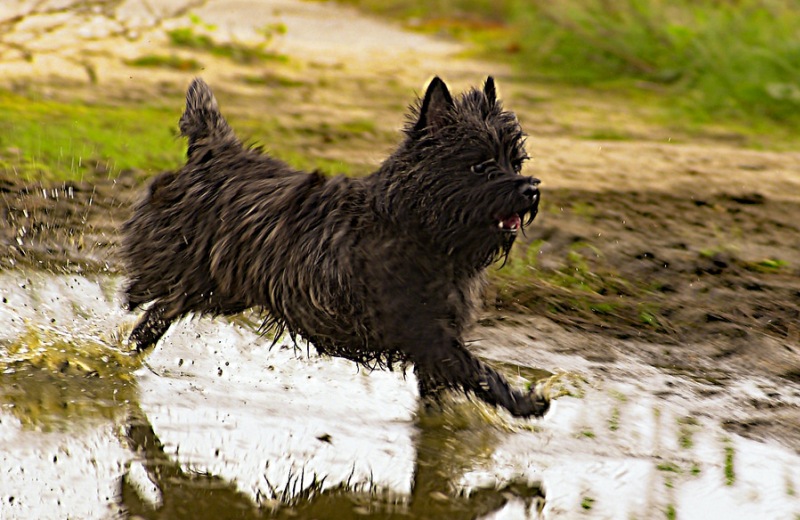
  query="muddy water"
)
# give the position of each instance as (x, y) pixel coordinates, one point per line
(216, 424)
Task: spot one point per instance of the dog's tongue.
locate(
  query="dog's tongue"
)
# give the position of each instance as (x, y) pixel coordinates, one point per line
(512, 223)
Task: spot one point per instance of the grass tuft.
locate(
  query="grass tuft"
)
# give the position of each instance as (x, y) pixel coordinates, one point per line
(198, 37)
(668, 466)
(767, 265)
(166, 61)
(686, 428)
(730, 474)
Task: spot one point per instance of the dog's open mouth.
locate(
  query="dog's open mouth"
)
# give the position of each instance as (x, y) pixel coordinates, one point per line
(510, 224)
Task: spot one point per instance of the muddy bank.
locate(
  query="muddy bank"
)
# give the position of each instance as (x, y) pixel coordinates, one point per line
(718, 270)
(65, 226)
(721, 270)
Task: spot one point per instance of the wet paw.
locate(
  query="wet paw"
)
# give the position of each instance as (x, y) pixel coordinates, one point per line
(539, 395)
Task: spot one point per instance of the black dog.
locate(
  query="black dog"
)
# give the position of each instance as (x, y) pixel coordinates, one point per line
(381, 270)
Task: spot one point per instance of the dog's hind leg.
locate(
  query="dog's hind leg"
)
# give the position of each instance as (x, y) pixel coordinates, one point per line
(430, 391)
(150, 328)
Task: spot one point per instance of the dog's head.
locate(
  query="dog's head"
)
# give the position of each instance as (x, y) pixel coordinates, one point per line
(457, 175)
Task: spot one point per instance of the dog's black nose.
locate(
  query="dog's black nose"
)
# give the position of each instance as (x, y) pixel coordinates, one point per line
(530, 188)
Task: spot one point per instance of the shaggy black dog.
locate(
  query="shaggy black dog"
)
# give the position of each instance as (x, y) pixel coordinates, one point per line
(381, 270)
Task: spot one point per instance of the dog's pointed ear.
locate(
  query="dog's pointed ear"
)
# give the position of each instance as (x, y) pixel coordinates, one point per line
(435, 105)
(490, 90)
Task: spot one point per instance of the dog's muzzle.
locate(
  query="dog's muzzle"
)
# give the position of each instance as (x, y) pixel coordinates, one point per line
(530, 190)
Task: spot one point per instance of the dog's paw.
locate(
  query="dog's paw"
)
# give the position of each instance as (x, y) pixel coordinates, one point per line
(540, 397)
(537, 398)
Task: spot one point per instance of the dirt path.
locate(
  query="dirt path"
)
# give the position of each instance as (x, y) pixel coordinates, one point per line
(88, 41)
(655, 258)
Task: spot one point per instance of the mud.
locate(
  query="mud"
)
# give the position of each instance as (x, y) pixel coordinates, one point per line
(662, 283)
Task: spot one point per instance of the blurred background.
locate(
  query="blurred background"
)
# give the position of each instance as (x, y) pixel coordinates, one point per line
(705, 62)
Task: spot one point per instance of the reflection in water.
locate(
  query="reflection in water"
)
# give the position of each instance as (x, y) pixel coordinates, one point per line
(105, 414)
(197, 495)
(177, 493)
(61, 454)
(57, 399)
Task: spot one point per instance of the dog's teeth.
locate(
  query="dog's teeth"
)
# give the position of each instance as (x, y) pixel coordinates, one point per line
(500, 224)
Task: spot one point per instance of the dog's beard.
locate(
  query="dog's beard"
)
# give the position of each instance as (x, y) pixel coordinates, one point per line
(493, 248)
(505, 248)
(482, 234)
(509, 227)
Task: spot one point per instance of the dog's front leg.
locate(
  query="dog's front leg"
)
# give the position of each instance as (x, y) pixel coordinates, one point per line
(448, 364)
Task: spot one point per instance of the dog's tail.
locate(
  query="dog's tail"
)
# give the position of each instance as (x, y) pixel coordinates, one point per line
(202, 123)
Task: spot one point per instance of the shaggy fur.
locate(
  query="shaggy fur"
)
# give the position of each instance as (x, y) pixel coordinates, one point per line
(381, 270)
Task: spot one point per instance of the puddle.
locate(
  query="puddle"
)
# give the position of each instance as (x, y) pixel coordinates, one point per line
(216, 424)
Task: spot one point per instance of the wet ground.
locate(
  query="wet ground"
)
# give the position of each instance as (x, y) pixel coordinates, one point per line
(679, 386)
(215, 424)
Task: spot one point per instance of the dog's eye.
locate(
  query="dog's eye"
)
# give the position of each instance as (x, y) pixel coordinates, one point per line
(481, 168)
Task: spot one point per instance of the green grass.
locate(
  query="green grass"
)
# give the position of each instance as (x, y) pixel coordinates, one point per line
(706, 62)
(608, 134)
(53, 141)
(730, 473)
(272, 79)
(686, 428)
(50, 140)
(668, 466)
(613, 421)
(240, 53)
(767, 265)
(587, 503)
(584, 210)
(166, 61)
(737, 59)
(649, 316)
(581, 288)
(198, 37)
(604, 308)
(578, 272)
